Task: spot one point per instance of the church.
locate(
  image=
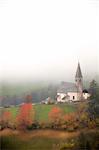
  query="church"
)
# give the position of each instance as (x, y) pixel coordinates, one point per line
(68, 91)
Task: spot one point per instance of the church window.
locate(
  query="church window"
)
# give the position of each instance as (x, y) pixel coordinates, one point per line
(73, 97)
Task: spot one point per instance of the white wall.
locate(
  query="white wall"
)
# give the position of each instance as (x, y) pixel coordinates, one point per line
(75, 94)
(86, 95)
(70, 94)
(60, 96)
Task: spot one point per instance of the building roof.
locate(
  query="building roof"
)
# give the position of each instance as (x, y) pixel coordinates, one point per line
(78, 72)
(67, 87)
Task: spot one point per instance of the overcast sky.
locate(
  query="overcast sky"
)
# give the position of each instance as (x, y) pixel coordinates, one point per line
(45, 39)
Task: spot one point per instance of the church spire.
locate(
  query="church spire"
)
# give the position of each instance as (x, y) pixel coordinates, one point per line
(78, 72)
(79, 82)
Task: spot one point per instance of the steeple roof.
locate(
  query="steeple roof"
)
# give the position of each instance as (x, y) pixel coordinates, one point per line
(78, 72)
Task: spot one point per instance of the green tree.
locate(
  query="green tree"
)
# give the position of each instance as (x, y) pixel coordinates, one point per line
(94, 102)
(93, 89)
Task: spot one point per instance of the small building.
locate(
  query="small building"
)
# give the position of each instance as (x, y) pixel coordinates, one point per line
(69, 91)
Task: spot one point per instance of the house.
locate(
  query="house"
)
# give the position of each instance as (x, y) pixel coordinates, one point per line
(69, 91)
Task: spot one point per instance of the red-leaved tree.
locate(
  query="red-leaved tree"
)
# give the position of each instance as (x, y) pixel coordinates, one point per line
(70, 120)
(55, 116)
(26, 116)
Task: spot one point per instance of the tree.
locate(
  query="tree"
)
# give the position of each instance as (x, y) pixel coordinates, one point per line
(55, 116)
(94, 103)
(25, 117)
(6, 119)
(93, 89)
(70, 121)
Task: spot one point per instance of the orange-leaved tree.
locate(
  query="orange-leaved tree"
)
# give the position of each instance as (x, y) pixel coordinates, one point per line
(55, 116)
(6, 119)
(25, 116)
(70, 120)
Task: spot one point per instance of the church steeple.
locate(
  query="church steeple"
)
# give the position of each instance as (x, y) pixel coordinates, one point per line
(78, 80)
(78, 72)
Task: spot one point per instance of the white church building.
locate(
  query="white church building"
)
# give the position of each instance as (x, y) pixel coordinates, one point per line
(69, 91)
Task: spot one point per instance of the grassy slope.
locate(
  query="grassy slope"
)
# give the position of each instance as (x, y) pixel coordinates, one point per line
(34, 140)
(36, 143)
(43, 110)
(48, 140)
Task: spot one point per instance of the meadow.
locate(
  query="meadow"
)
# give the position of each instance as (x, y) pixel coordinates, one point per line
(44, 138)
(49, 140)
(42, 110)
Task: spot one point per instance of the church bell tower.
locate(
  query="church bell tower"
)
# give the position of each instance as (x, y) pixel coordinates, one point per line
(79, 81)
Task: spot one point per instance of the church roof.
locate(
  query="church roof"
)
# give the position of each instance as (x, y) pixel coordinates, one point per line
(78, 72)
(67, 87)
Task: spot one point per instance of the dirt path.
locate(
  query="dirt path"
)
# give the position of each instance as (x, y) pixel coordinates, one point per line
(42, 133)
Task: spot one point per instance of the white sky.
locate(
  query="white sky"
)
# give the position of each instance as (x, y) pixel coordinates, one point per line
(46, 38)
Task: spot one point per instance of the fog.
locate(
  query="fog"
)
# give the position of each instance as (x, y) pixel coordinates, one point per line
(44, 40)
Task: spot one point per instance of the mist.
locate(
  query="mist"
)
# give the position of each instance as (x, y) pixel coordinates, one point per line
(44, 40)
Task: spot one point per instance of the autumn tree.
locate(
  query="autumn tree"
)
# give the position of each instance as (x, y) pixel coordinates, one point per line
(25, 117)
(55, 116)
(70, 121)
(70, 118)
(82, 114)
(6, 119)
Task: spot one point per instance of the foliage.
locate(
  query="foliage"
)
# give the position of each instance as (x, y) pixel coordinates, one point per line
(6, 119)
(94, 91)
(25, 117)
(70, 121)
(88, 141)
(93, 106)
(42, 110)
(55, 116)
(82, 115)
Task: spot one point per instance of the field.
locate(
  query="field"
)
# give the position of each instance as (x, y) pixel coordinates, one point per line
(49, 140)
(33, 140)
(42, 110)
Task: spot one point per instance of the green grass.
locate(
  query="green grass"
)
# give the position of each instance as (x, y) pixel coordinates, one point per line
(13, 110)
(37, 143)
(42, 110)
(83, 141)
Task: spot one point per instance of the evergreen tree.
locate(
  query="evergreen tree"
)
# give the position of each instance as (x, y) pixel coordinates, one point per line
(94, 103)
(93, 89)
